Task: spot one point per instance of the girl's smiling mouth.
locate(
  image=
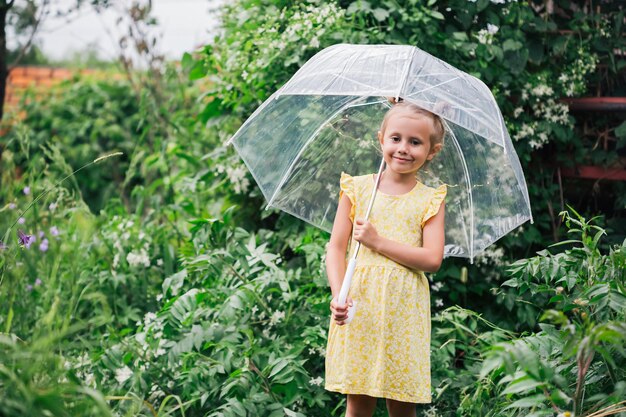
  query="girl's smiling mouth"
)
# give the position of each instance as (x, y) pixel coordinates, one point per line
(399, 158)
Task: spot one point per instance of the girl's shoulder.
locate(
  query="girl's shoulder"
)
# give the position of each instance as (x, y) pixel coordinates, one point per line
(435, 190)
(357, 180)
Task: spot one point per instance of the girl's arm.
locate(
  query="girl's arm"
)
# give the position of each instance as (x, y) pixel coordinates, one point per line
(428, 258)
(336, 251)
(336, 258)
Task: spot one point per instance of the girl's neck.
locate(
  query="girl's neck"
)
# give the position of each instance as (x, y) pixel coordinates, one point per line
(396, 183)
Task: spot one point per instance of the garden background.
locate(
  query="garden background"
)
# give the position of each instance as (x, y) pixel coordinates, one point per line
(153, 283)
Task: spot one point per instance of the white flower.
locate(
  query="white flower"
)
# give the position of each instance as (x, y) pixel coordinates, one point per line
(431, 412)
(492, 255)
(122, 374)
(492, 29)
(277, 316)
(244, 75)
(159, 262)
(439, 302)
(136, 259)
(517, 112)
(542, 90)
(316, 381)
(315, 43)
(149, 318)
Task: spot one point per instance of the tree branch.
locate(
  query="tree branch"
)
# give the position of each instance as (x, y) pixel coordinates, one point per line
(30, 39)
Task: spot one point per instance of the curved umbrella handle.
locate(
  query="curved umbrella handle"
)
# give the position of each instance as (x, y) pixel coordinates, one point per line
(345, 287)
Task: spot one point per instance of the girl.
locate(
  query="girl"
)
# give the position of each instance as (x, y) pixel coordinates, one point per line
(384, 352)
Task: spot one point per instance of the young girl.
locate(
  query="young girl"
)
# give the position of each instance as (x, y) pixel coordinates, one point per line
(385, 350)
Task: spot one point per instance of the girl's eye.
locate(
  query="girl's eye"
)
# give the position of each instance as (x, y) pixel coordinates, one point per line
(415, 142)
(395, 139)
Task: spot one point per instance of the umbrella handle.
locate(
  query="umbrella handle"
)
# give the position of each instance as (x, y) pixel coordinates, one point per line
(347, 280)
(345, 287)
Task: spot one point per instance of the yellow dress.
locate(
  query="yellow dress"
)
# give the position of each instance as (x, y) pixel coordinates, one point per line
(385, 351)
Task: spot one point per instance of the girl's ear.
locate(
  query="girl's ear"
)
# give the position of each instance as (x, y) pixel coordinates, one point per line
(434, 151)
(380, 137)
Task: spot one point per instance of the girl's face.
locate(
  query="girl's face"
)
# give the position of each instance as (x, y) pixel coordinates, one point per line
(406, 142)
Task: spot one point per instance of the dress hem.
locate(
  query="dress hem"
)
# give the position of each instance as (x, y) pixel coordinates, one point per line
(380, 394)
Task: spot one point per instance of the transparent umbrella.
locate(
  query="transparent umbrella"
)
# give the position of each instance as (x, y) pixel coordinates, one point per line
(324, 120)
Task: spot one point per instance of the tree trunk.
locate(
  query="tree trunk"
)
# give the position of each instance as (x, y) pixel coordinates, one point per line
(4, 8)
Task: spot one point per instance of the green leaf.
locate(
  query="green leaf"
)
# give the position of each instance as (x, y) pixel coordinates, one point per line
(435, 14)
(527, 402)
(511, 45)
(279, 366)
(213, 109)
(380, 14)
(522, 385)
(187, 60)
(490, 364)
(174, 282)
(620, 131)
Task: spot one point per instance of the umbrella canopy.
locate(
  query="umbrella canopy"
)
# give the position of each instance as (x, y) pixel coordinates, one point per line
(324, 121)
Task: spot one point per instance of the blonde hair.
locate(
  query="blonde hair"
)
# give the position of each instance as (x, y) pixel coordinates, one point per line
(399, 105)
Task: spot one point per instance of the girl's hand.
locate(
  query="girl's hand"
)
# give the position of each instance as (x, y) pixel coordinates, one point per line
(365, 233)
(340, 313)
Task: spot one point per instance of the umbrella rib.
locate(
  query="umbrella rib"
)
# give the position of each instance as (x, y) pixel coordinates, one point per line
(469, 189)
(405, 76)
(297, 157)
(433, 86)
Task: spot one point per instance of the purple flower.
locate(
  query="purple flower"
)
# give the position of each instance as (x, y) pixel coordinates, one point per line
(52, 206)
(54, 231)
(21, 220)
(12, 206)
(26, 190)
(29, 288)
(38, 282)
(41, 233)
(43, 246)
(2, 245)
(24, 239)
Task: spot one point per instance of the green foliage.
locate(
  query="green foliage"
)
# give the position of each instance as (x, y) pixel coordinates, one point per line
(34, 381)
(577, 361)
(165, 289)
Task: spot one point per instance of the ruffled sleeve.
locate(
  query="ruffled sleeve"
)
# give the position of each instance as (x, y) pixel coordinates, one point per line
(435, 202)
(346, 184)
